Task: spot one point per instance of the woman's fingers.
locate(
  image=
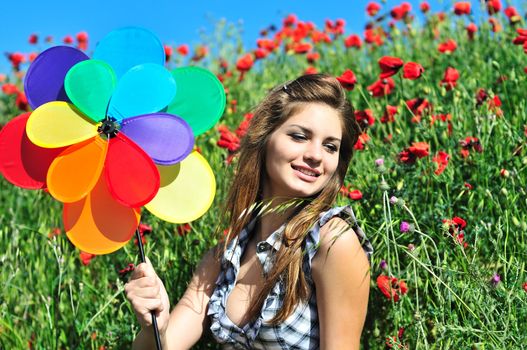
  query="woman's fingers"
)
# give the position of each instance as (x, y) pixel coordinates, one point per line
(143, 270)
(143, 307)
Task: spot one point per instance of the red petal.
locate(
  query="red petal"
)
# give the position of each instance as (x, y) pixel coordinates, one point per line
(21, 162)
(132, 176)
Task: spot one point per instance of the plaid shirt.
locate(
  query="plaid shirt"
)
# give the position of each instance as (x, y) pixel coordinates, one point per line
(301, 329)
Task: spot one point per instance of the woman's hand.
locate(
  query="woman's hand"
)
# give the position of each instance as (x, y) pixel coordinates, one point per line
(147, 293)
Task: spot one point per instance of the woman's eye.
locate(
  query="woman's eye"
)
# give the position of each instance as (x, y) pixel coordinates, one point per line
(332, 148)
(298, 136)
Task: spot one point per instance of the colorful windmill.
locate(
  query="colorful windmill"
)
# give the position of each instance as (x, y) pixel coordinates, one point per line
(111, 134)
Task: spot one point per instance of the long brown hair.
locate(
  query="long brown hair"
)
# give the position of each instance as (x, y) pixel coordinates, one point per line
(281, 103)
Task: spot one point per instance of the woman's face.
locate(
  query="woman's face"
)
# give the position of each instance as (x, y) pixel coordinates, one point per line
(303, 153)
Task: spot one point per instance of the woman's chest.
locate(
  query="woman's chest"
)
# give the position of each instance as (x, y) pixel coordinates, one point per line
(248, 285)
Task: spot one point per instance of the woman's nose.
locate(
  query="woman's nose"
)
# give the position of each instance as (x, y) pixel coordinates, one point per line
(313, 152)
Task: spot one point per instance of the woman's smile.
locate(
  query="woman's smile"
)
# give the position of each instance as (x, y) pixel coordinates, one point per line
(302, 154)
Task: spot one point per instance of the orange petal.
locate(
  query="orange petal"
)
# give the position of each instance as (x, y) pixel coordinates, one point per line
(74, 172)
(98, 224)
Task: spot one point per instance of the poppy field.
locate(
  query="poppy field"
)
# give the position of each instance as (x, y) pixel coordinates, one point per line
(438, 181)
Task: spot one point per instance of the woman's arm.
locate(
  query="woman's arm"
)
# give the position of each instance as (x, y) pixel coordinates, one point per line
(341, 273)
(185, 324)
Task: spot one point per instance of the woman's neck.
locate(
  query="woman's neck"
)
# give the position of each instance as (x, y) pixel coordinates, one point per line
(273, 216)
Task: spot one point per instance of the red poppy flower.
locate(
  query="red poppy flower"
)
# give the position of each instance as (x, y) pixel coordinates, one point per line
(374, 36)
(361, 141)
(468, 144)
(86, 258)
(183, 229)
(310, 70)
(33, 39)
(411, 154)
(183, 49)
(381, 87)
(391, 287)
(318, 36)
(16, 59)
(301, 48)
(200, 52)
(450, 78)
(126, 270)
(82, 40)
(493, 6)
(312, 57)
(425, 7)
(512, 14)
(412, 70)
(418, 106)
(336, 28)
(260, 54)
(245, 62)
(441, 159)
(355, 195)
(448, 46)
(462, 8)
(168, 52)
(244, 125)
(353, 41)
(455, 227)
(68, 39)
(54, 232)
(389, 66)
(496, 26)
(468, 186)
(372, 8)
(365, 118)
(494, 104)
(21, 101)
(347, 80)
(266, 44)
(10, 89)
(399, 12)
(290, 20)
(471, 30)
(32, 56)
(228, 139)
(389, 114)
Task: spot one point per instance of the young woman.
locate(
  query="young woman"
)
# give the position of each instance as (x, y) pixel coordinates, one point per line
(292, 276)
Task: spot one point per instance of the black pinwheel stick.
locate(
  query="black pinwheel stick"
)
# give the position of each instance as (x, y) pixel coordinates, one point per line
(154, 319)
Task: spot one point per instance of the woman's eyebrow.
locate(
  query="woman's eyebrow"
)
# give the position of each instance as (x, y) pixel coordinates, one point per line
(310, 132)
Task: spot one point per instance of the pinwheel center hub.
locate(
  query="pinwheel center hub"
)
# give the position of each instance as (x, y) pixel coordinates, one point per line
(109, 127)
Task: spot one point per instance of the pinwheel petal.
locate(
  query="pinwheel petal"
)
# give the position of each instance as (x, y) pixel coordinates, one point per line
(166, 138)
(90, 85)
(186, 192)
(21, 162)
(200, 98)
(58, 124)
(74, 173)
(132, 177)
(44, 81)
(128, 47)
(144, 89)
(97, 224)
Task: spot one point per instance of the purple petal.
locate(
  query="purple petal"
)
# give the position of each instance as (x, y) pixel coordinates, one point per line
(167, 138)
(44, 80)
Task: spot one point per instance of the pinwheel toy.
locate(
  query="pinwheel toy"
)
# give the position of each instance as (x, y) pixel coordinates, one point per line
(113, 133)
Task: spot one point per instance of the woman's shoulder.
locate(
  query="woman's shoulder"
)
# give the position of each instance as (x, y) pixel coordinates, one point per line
(337, 229)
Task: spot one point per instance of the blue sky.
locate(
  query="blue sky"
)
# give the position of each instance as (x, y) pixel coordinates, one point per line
(174, 21)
